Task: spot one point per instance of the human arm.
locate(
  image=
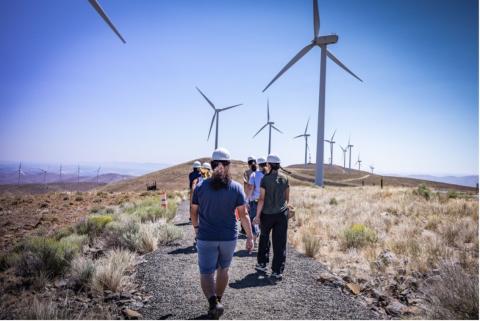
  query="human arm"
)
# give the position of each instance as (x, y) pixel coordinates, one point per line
(261, 200)
(194, 217)
(247, 226)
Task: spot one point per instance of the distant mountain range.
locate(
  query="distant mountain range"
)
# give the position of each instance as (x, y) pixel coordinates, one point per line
(471, 180)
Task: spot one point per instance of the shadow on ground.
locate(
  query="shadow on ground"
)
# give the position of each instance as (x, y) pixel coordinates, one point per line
(252, 280)
(186, 250)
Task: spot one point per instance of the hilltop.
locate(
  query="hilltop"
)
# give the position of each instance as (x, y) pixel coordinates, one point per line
(176, 178)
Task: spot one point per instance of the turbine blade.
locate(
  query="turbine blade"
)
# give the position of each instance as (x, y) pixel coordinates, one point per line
(260, 130)
(333, 135)
(338, 62)
(298, 136)
(316, 19)
(102, 13)
(268, 111)
(226, 108)
(307, 125)
(208, 100)
(278, 130)
(297, 57)
(211, 125)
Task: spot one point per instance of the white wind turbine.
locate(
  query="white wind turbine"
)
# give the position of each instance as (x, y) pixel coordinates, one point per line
(322, 42)
(331, 142)
(104, 16)
(306, 141)
(372, 168)
(216, 114)
(359, 162)
(349, 146)
(270, 125)
(344, 150)
(98, 171)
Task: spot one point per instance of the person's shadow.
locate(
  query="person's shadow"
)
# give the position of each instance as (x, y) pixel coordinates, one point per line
(202, 317)
(186, 250)
(244, 253)
(252, 280)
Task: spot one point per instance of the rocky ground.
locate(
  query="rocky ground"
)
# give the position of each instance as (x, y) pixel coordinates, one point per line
(170, 276)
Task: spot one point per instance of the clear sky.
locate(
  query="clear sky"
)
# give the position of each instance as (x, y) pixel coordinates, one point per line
(71, 91)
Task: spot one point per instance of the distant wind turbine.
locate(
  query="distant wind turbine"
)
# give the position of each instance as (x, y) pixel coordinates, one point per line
(104, 16)
(349, 146)
(359, 162)
(216, 114)
(344, 150)
(44, 172)
(78, 175)
(372, 168)
(322, 42)
(306, 141)
(60, 173)
(331, 142)
(20, 172)
(98, 171)
(270, 126)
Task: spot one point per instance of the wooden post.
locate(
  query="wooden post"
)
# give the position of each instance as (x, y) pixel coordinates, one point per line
(381, 182)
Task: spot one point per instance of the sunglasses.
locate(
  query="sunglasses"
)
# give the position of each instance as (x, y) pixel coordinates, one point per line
(216, 163)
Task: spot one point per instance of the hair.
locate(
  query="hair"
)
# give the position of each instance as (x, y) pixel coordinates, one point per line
(275, 166)
(221, 180)
(196, 170)
(253, 167)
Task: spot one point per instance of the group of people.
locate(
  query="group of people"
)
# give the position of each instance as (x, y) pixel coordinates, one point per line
(261, 206)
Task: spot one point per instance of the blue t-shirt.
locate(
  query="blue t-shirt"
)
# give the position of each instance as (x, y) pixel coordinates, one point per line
(216, 210)
(192, 176)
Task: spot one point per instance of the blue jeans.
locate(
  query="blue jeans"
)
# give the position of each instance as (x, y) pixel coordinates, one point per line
(214, 254)
(252, 212)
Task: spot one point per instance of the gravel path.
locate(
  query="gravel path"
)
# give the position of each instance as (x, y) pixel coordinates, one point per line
(171, 276)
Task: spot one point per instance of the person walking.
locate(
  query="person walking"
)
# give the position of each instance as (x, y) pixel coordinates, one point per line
(272, 215)
(253, 194)
(252, 167)
(212, 212)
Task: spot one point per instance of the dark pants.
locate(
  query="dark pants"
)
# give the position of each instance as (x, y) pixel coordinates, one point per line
(278, 224)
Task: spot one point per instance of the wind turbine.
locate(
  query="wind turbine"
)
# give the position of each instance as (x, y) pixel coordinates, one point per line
(359, 162)
(78, 175)
(102, 14)
(44, 172)
(20, 172)
(270, 126)
(349, 146)
(344, 150)
(372, 168)
(216, 114)
(306, 141)
(98, 171)
(322, 42)
(60, 173)
(331, 141)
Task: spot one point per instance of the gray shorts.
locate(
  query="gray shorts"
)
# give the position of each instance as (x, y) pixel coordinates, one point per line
(214, 254)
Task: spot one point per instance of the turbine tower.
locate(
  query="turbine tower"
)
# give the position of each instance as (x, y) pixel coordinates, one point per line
(331, 141)
(344, 150)
(349, 146)
(20, 172)
(216, 114)
(44, 172)
(98, 171)
(322, 42)
(270, 125)
(372, 168)
(104, 16)
(306, 141)
(60, 173)
(359, 162)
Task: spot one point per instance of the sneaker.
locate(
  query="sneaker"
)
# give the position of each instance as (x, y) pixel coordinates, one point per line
(277, 276)
(215, 310)
(262, 267)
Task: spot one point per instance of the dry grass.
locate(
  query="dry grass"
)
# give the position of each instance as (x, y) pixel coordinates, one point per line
(111, 271)
(420, 227)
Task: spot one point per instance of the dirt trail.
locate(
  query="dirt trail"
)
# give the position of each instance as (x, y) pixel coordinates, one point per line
(171, 276)
(355, 179)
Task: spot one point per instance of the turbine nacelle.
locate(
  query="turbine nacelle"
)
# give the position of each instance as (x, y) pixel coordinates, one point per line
(325, 40)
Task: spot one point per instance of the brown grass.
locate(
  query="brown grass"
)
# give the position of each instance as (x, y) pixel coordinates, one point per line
(111, 271)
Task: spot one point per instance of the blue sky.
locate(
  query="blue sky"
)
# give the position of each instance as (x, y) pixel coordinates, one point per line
(70, 91)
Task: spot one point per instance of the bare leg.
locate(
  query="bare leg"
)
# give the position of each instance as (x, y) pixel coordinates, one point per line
(222, 281)
(207, 281)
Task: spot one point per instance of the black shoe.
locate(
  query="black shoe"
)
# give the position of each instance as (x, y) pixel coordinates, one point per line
(215, 311)
(261, 267)
(276, 276)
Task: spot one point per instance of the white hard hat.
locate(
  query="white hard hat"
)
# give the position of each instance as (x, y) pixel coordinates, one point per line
(261, 160)
(197, 164)
(207, 166)
(250, 158)
(221, 154)
(273, 159)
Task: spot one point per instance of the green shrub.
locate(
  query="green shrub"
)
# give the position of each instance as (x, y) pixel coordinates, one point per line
(358, 235)
(150, 210)
(62, 232)
(423, 191)
(46, 256)
(93, 225)
(168, 233)
(8, 260)
(123, 234)
(333, 201)
(453, 194)
(82, 270)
